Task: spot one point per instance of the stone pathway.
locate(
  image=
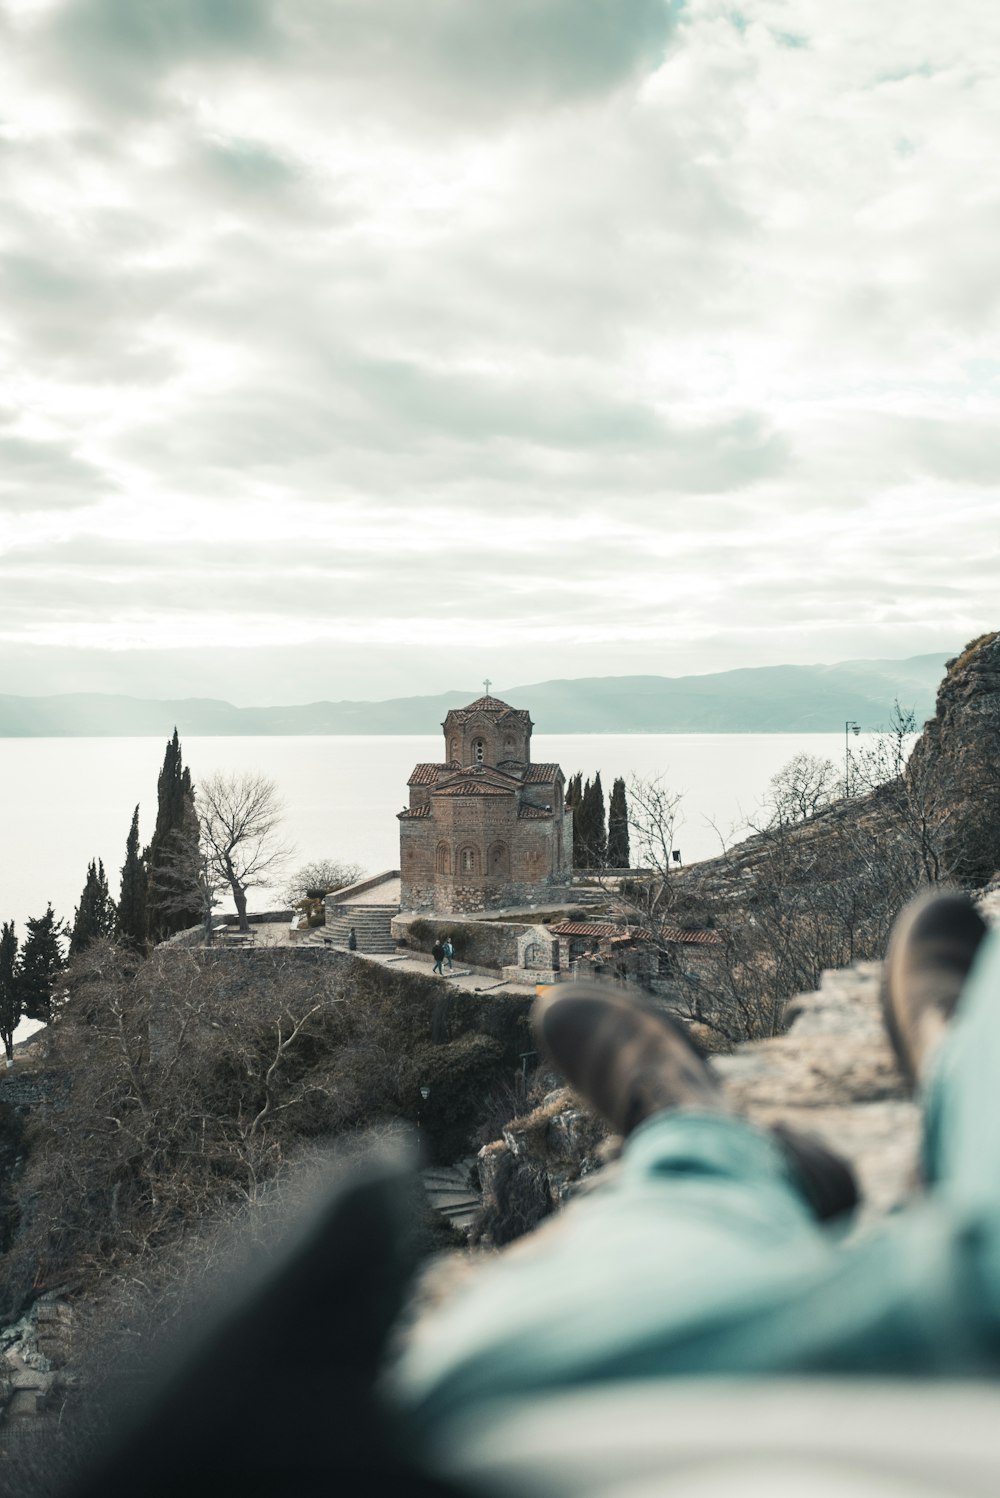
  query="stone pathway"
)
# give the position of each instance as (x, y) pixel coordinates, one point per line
(460, 977)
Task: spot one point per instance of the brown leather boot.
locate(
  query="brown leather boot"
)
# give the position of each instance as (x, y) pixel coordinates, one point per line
(930, 953)
(627, 1062)
(630, 1063)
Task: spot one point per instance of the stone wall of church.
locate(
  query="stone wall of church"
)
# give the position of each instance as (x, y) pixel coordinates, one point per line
(474, 857)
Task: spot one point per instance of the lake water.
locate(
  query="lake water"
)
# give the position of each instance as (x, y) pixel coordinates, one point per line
(66, 801)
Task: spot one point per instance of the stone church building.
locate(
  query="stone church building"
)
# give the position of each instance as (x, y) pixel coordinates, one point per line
(486, 828)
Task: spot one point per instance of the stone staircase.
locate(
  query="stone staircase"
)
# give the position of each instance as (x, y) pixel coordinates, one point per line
(372, 927)
(449, 1192)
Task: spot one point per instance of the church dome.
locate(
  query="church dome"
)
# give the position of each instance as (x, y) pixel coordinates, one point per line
(487, 731)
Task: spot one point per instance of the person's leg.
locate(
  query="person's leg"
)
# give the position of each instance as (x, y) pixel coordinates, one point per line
(941, 999)
(637, 1279)
(642, 1276)
(704, 1258)
(961, 1092)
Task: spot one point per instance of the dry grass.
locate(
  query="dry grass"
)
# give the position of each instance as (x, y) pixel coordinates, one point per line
(970, 650)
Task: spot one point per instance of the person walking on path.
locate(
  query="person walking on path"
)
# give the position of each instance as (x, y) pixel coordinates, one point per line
(437, 952)
(705, 1255)
(352, 941)
(449, 952)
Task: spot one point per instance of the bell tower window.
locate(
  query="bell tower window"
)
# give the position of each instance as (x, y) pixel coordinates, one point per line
(478, 751)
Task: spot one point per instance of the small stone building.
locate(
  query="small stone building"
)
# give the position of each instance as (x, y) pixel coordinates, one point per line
(629, 954)
(485, 828)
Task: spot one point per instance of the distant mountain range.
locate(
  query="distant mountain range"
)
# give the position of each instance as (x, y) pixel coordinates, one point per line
(761, 699)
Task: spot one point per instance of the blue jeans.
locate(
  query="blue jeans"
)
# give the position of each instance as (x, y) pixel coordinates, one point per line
(704, 1258)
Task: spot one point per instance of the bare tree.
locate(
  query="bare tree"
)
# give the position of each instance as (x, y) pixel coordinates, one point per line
(239, 816)
(646, 898)
(327, 874)
(917, 800)
(801, 788)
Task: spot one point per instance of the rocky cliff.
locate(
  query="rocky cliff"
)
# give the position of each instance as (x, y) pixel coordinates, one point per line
(959, 754)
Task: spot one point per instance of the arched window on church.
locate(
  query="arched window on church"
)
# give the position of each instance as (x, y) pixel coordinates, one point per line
(454, 750)
(443, 858)
(509, 748)
(478, 751)
(468, 861)
(499, 862)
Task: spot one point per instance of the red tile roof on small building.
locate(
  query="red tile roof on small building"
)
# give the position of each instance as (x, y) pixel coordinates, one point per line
(605, 930)
(415, 811)
(693, 938)
(533, 813)
(586, 928)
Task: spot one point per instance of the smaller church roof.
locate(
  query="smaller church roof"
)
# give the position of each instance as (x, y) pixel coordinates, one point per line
(425, 774)
(409, 812)
(540, 774)
(533, 813)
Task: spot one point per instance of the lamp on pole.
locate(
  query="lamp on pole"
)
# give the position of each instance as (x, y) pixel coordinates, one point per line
(425, 1092)
(849, 727)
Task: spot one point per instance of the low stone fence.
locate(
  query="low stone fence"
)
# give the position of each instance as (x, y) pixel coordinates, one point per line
(487, 945)
(194, 936)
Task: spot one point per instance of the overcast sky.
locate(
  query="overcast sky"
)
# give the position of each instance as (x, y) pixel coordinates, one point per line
(361, 347)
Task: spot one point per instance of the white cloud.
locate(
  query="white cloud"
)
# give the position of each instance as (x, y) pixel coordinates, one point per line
(600, 324)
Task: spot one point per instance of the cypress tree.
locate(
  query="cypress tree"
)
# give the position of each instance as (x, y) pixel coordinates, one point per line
(618, 848)
(10, 994)
(574, 797)
(41, 961)
(131, 923)
(597, 833)
(592, 844)
(581, 828)
(172, 858)
(95, 915)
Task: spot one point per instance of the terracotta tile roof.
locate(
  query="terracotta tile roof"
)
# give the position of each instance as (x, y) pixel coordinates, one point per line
(533, 813)
(487, 704)
(425, 774)
(540, 774)
(586, 928)
(409, 812)
(608, 932)
(473, 788)
(693, 938)
(491, 705)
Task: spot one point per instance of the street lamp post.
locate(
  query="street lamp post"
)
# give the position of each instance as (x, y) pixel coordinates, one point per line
(849, 727)
(425, 1092)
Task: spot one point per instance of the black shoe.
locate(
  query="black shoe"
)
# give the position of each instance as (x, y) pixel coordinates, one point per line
(828, 1183)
